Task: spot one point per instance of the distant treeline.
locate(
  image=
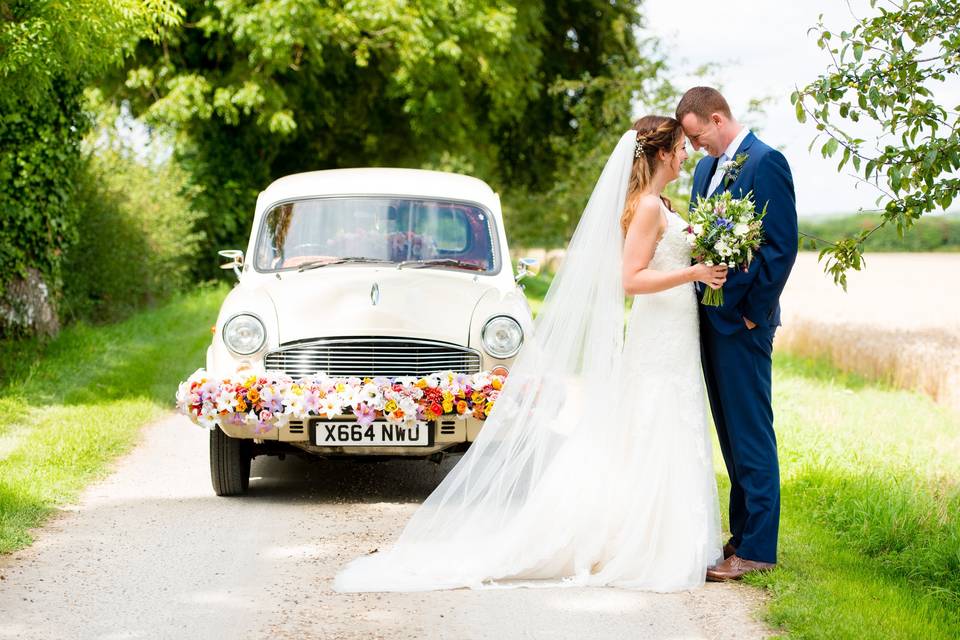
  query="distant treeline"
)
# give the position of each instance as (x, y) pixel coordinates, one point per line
(930, 233)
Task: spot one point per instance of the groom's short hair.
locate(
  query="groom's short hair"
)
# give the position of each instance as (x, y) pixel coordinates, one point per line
(702, 101)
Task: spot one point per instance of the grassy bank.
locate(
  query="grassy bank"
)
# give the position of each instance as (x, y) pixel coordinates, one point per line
(71, 405)
(927, 360)
(870, 527)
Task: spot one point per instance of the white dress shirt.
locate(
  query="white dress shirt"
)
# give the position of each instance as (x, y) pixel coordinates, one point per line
(727, 155)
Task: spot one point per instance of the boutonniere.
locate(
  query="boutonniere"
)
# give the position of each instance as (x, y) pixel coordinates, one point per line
(731, 168)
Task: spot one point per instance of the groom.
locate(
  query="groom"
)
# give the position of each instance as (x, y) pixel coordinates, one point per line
(737, 338)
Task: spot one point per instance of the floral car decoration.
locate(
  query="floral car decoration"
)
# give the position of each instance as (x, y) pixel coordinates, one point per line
(271, 401)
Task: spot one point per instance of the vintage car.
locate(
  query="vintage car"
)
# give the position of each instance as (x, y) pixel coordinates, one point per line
(366, 272)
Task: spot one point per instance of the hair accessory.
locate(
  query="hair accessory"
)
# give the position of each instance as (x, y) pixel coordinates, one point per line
(639, 148)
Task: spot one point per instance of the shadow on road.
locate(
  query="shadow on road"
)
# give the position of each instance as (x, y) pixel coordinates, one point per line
(296, 479)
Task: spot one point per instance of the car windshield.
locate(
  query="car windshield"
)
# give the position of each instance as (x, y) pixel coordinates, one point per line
(420, 232)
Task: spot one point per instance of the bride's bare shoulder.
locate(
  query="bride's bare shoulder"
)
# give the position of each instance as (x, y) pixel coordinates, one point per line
(647, 210)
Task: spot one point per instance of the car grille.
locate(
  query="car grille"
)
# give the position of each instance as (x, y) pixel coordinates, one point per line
(371, 357)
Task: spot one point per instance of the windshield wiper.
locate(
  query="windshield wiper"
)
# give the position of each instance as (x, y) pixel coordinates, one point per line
(441, 262)
(316, 264)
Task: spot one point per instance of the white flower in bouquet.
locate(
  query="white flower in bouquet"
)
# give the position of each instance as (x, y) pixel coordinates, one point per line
(371, 395)
(330, 407)
(741, 230)
(280, 421)
(225, 401)
(294, 405)
(698, 230)
(184, 396)
(409, 408)
(207, 418)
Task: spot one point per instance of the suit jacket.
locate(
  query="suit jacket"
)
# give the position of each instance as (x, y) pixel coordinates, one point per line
(755, 294)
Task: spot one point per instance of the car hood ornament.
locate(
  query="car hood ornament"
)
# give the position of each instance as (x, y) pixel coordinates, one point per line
(375, 294)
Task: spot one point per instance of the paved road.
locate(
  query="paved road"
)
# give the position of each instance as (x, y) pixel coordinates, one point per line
(151, 553)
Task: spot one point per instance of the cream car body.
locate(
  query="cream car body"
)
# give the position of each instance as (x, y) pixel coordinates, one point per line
(362, 318)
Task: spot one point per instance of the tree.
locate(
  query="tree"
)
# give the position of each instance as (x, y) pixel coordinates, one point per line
(256, 90)
(886, 73)
(49, 51)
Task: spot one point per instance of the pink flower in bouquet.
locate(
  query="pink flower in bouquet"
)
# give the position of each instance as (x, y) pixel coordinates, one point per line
(271, 399)
(208, 390)
(264, 421)
(365, 414)
(311, 400)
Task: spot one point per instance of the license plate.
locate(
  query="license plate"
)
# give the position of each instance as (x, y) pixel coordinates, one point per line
(354, 434)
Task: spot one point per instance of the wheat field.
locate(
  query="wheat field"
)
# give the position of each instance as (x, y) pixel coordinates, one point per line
(898, 322)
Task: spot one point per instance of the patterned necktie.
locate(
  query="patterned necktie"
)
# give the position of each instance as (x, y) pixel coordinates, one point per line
(717, 175)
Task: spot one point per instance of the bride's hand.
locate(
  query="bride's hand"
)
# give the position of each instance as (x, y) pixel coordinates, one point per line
(713, 277)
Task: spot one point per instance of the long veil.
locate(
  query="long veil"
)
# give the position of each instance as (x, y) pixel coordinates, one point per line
(505, 510)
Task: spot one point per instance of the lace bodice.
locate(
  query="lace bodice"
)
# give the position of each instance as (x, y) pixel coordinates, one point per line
(672, 252)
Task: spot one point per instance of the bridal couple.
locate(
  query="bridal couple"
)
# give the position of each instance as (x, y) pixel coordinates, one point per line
(595, 466)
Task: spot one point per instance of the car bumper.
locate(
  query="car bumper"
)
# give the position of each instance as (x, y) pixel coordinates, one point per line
(445, 433)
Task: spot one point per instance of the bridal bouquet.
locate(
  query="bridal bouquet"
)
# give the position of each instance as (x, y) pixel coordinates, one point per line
(272, 400)
(725, 230)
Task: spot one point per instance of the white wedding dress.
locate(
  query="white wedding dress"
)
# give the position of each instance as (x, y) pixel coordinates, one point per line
(595, 467)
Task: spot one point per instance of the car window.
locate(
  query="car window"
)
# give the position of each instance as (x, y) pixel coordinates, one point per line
(390, 229)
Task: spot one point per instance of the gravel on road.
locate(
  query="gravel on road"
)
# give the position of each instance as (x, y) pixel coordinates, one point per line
(150, 552)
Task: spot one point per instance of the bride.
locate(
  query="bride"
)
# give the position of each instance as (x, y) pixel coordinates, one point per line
(595, 466)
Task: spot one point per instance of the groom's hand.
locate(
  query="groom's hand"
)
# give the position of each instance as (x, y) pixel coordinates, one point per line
(750, 324)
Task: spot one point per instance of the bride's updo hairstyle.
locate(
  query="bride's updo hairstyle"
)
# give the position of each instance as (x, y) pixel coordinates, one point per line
(654, 133)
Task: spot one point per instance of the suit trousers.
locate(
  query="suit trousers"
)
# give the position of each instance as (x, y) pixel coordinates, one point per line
(737, 369)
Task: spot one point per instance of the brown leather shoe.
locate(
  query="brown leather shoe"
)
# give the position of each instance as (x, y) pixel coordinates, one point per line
(734, 568)
(728, 550)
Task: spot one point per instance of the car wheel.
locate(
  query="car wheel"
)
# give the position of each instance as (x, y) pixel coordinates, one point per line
(229, 463)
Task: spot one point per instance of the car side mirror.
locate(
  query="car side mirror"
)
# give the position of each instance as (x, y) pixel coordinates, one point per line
(527, 267)
(235, 256)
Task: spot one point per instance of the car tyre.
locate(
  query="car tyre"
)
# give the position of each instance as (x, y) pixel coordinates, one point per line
(229, 463)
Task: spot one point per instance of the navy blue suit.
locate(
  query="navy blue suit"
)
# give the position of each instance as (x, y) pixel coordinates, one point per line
(737, 361)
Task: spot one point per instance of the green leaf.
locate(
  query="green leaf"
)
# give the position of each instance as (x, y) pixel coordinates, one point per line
(846, 157)
(830, 147)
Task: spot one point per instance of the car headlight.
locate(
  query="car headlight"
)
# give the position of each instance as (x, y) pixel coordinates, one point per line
(244, 334)
(502, 337)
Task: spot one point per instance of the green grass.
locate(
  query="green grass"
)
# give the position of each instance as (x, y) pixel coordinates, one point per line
(870, 524)
(71, 405)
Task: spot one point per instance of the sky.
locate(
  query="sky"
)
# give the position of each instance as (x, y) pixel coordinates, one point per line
(763, 49)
